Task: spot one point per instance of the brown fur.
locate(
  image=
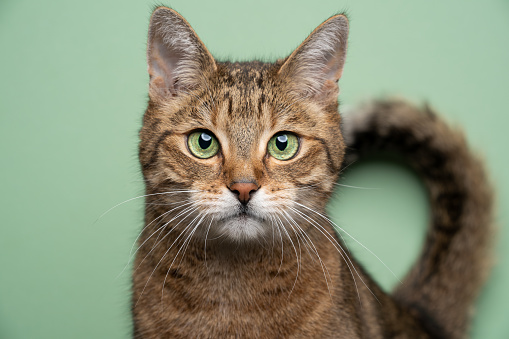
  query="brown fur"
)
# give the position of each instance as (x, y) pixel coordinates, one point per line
(289, 279)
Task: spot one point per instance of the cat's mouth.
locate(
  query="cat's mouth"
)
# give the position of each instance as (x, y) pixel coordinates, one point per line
(240, 213)
(244, 224)
(244, 215)
(244, 210)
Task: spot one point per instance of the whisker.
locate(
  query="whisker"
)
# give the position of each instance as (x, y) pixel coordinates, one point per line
(161, 228)
(357, 241)
(131, 255)
(184, 245)
(164, 255)
(344, 168)
(310, 243)
(359, 187)
(159, 217)
(296, 255)
(153, 247)
(142, 196)
(205, 243)
(273, 221)
(307, 187)
(338, 248)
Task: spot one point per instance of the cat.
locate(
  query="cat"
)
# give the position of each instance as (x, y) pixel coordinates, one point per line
(239, 160)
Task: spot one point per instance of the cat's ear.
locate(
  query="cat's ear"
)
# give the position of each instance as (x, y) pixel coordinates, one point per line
(315, 67)
(177, 59)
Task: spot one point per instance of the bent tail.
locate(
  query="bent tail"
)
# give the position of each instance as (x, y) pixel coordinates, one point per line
(442, 285)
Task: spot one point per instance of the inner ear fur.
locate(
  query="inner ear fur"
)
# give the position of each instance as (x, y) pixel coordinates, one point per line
(315, 67)
(177, 58)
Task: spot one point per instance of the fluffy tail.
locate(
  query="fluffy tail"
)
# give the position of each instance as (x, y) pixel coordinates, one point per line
(441, 287)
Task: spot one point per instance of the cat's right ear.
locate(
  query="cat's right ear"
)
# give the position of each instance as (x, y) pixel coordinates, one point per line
(177, 59)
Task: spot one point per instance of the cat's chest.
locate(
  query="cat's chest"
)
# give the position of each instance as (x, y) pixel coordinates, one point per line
(257, 296)
(228, 303)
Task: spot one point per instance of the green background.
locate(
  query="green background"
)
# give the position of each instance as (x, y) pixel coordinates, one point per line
(73, 87)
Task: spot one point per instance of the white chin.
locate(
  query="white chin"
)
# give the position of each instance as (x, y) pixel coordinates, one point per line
(243, 228)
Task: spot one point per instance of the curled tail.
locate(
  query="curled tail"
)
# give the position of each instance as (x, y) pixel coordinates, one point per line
(442, 285)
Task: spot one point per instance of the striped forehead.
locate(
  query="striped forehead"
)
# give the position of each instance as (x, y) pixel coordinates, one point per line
(241, 114)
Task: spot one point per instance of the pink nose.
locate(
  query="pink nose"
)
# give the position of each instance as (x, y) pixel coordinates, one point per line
(244, 189)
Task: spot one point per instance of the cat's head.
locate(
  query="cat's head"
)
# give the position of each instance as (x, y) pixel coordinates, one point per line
(241, 150)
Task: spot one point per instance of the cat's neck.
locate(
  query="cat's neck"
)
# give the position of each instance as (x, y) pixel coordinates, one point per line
(171, 254)
(259, 281)
(175, 240)
(258, 288)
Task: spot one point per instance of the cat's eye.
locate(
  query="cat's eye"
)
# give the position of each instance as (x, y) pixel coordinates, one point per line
(203, 144)
(283, 145)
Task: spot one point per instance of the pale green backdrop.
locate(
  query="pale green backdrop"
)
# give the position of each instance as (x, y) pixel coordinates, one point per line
(73, 87)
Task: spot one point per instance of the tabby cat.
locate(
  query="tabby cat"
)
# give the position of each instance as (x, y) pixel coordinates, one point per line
(239, 160)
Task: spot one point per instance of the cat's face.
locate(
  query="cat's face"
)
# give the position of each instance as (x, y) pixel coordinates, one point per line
(237, 145)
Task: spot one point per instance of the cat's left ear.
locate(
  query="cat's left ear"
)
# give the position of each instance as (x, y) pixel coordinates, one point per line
(177, 58)
(315, 67)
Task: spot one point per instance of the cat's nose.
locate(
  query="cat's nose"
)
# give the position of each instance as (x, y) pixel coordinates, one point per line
(244, 190)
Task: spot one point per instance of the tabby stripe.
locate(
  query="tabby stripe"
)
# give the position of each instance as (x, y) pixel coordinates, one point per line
(327, 150)
(260, 103)
(230, 104)
(155, 151)
(429, 324)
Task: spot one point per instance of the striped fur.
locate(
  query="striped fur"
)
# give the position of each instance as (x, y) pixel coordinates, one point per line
(442, 285)
(209, 266)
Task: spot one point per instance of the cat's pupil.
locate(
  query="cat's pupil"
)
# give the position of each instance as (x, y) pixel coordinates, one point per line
(282, 142)
(205, 140)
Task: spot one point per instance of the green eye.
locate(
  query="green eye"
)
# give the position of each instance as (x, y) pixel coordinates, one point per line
(283, 145)
(203, 144)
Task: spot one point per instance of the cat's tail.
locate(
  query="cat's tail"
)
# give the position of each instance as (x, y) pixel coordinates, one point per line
(442, 285)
